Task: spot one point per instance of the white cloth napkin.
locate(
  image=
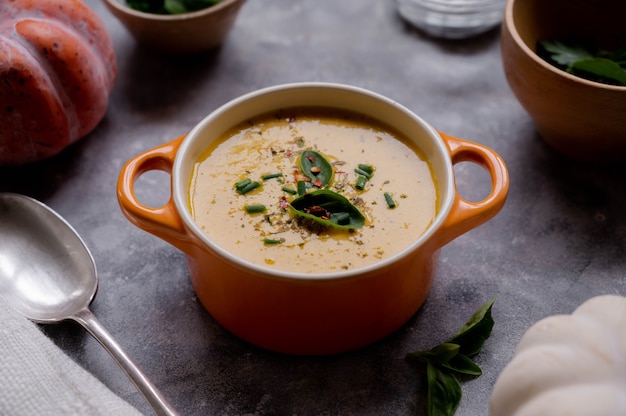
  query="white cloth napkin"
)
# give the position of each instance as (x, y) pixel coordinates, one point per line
(37, 378)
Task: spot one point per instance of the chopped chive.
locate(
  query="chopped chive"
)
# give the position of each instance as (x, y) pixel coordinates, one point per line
(249, 187)
(271, 176)
(271, 241)
(301, 188)
(341, 218)
(363, 173)
(390, 202)
(242, 184)
(360, 182)
(255, 209)
(289, 190)
(366, 168)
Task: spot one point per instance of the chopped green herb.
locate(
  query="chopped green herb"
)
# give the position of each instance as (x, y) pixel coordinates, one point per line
(390, 202)
(341, 218)
(289, 190)
(271, 176)
(248, 187)
(361, 172)
(301, 187)
(255, 209)
(242, 184)
(271, 242)
(366, 168)
(360, 182)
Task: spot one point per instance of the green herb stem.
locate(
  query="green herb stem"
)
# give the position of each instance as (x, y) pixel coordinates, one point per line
(390, 202)
(301, 188)
(255, 209)
(366, 168)
(361, 172)
(271, 176)
(242, 184)
(247, 188)
(360, 182)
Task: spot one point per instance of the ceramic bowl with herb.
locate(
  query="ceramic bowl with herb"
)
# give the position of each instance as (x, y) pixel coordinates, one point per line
(293, 310)
(178, 30)
(565, 62)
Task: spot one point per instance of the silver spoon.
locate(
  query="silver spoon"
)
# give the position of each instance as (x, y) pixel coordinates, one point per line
(48, 274)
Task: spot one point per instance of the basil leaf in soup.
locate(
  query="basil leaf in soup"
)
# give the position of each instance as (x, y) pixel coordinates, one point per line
(315, 166)
(328, 209)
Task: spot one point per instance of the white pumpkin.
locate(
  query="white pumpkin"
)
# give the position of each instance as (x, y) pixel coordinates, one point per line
(572, 365)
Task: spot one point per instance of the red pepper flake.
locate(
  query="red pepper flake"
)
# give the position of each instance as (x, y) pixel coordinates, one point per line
(282, 202)
(317, 183)
(318, 211)
(298, 177)
(311, 158)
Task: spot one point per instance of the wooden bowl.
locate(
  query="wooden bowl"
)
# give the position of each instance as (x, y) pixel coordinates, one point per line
(180, 34)
(581, 119)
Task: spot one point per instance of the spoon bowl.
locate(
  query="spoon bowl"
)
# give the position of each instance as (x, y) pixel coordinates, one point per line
(48, 274)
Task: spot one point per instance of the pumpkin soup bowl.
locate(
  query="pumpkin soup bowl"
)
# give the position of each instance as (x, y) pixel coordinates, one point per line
(580, 119)
(311, 313)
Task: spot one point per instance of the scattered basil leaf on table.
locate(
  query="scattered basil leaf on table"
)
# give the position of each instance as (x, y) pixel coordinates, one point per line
(607, 67)
(452, 359)
(444, 391)
(327, 209)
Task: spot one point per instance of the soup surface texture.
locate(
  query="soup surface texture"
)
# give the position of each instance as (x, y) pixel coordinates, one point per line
(270, 151)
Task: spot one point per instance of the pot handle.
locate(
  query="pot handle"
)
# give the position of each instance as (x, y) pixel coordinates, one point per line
(164, 221)
(466, 215)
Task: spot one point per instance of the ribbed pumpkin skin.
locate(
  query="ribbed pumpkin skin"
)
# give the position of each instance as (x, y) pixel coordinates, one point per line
(57, 70)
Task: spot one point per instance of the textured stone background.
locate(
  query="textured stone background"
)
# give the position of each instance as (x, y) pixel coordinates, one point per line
(558, 241)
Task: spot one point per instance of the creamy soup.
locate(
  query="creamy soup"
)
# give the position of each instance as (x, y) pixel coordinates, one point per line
(244, 184)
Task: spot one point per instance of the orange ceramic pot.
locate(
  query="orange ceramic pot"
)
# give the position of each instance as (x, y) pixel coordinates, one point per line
(581, 119)
(302, 313)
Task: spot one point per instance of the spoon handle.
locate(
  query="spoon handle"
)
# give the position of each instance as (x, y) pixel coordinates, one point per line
(153, 396)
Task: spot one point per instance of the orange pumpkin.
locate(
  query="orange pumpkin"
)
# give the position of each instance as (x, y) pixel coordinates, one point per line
(57, 69)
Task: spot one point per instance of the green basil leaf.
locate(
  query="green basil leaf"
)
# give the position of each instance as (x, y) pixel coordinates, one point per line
(147, 6)
(599, 70)
(440, 354)
(170, 6)
(444, 392)
(561, 54)
(462, 364)
(193, 5)
(618, 56)
(475, 331)
(327, 209)
(316, 167)
(175, 6)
